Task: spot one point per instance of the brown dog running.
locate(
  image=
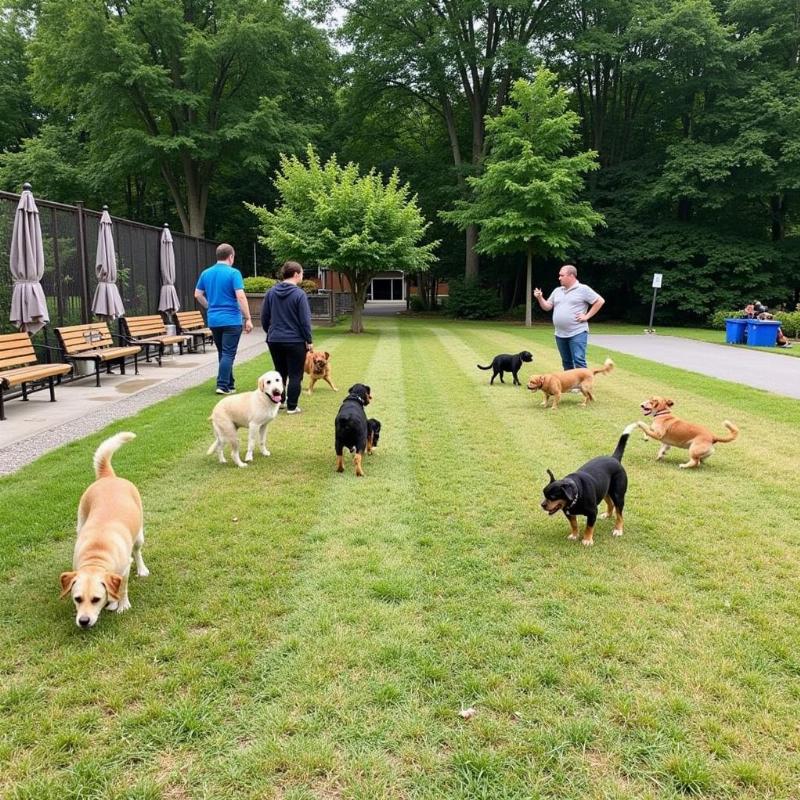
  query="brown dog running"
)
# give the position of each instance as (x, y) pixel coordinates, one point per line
(555, 383)
(318, 368)
(674, 432)
(110, 529)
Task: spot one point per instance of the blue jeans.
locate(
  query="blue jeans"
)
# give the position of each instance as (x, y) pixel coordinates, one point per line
(573, 350)
(226, 339)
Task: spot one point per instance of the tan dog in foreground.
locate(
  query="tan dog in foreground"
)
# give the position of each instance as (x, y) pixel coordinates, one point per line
(251, 410)
(110, 527)
(318, 368)
(555, 383)
(674, 432)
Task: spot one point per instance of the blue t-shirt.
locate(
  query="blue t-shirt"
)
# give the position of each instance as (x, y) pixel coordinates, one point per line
(219, 283)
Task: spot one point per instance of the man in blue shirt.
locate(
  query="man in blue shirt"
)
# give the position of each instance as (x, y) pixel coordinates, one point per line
(220, 289)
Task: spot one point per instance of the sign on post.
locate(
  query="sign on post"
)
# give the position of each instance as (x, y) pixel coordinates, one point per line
(657, 276)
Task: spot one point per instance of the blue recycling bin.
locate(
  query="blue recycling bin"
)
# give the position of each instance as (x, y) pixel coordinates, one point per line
(735, 331)
(762, 332)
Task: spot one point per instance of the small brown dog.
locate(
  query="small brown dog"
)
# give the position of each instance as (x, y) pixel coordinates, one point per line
(553, 384)
(318, 368)
(110, 528)
(674, 432)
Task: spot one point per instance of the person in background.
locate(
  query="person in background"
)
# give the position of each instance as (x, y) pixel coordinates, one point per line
(220, 289)
(286, 320)
(756, 310)
(575, 304)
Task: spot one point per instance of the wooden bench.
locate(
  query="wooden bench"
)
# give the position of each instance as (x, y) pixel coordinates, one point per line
(93, 342)
(191, 323)
(150, 331)
(20, 367)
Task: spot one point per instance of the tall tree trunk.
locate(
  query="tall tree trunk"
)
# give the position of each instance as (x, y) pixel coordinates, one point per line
(359, 291)
(472, 263)
(528, 288)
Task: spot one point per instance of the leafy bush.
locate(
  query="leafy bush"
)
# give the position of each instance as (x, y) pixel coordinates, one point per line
(416, 304)
(258, 284)
(717, 321)
(309, 287)
(468, 300)
(790, 323)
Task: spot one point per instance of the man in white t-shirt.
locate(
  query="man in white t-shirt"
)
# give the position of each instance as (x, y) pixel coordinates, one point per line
(575, 304)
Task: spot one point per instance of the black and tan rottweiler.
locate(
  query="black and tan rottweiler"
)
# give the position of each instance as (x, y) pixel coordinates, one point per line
(506, 362)
(580, 492)
(351, 426)
(373, 434)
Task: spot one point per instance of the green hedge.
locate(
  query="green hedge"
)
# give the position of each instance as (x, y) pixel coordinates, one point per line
(467, 300)
(258, 284)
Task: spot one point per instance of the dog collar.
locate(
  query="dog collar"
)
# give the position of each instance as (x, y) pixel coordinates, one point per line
(354, 397)
(660, 413)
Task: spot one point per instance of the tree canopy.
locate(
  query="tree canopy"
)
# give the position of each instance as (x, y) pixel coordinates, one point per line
(332, 216)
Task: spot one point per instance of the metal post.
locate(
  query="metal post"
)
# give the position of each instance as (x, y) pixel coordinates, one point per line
(652, 312)
(83, 262)
(255, 263)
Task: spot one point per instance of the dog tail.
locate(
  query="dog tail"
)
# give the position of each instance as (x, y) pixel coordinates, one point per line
(608, 365)
(623, 440)
(480, 367)
(732, 428)
(102, 456)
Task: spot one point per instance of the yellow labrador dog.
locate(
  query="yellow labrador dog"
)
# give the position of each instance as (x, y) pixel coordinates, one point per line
(251, 410)
(110, 527)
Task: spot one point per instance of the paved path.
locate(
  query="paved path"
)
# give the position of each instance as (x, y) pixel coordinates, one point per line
(763, 370)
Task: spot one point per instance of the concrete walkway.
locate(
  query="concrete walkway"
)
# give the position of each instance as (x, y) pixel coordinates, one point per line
(37, 426)
(761, 369)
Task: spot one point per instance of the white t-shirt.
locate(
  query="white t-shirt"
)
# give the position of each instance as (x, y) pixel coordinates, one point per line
(569, 302)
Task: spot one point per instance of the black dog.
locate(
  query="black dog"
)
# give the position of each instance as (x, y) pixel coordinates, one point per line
(373, 434)
(506, 362)
(351, 426)
(602, 478)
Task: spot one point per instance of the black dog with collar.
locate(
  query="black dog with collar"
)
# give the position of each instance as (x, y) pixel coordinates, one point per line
(580, 492)
(351, 426)
(506, 362)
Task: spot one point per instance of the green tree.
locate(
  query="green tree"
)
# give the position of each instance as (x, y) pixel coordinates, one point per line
(458, 58)
(527, 198)
(358, 225)
(184, 88)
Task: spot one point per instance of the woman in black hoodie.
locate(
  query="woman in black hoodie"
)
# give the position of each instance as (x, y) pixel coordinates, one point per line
(286, 319)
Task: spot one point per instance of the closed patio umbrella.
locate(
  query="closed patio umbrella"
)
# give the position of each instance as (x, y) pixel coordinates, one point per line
(168, 300)
(107, 302)
(28, 304)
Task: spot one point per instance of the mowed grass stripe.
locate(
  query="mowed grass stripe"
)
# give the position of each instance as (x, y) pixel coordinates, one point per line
(354, 602)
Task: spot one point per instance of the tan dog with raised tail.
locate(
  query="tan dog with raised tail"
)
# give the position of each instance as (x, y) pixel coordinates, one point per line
(674, 432)
(110, 529)
(554, 384)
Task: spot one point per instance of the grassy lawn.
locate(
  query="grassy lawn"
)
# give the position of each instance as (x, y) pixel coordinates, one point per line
(305, 634)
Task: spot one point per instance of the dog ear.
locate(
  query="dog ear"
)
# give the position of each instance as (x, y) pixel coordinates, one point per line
(570, 490)
(670, 403)
(67, 579)
(113, 582)
(552, 477)
(327, 355)
(261, 384)
(352, 388)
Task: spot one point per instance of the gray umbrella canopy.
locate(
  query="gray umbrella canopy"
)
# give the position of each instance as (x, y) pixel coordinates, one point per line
(28, 304)
(107, 302)
(168, 301)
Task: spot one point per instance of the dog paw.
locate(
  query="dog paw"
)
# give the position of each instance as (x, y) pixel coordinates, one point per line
(241, 464)
(605, 515)
(572, 537)
(112, 606)
(266, 453)
(340, 469)
(587, 542)
(123, 606)
(248, 457)
(143, 572)
(616, 532)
